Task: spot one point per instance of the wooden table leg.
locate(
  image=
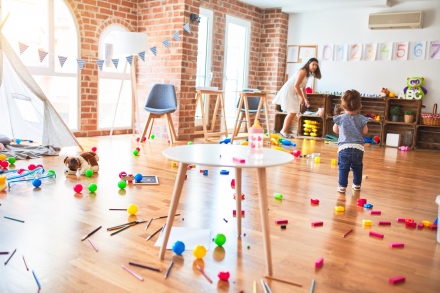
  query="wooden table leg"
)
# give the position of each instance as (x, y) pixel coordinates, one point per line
(240, 104)
(238, 198)
(173, 206)
(262, 193)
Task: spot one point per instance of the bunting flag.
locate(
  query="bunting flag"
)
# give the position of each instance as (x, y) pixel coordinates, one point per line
(142, 55)
(130, 60)
(177, 35)
(62, 60)
(187, 28)
(81, 63)
(42, 54)
(153, 50)
(165, 42)
(100, 63)
(115, 62)
(23, 47)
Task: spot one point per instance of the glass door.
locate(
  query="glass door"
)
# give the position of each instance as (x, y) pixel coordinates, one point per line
(236, 66)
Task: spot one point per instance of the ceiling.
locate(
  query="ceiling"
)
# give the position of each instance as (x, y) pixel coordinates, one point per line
(298, 6)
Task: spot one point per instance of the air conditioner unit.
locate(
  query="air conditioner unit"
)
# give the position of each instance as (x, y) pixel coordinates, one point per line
(397, 20)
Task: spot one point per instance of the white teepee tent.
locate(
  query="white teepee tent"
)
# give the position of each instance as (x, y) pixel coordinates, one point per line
(25, 112)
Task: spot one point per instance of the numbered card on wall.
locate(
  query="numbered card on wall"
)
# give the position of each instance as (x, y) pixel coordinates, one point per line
(340, 52)
(417, 50)
(400, 51)
(327, 53)
(434, 50)
(385, 51)
(355, 52)
(370, 51)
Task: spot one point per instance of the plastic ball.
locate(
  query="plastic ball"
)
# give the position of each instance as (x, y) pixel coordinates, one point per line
(199, 251)
(144, 139)
(51, 171)
(278, 196)
(36, 182)
(122, 174)
(138, 177)
(138, 149)
(122, 184)
(32, 167)
(138, 139)
(132, 209)
(178, 247)
(224, 276)
(392, 94)
(18, 141)
(296, 153)
(152, 136)
(135, 152)
(11, 160)
(2, 157)
(220, 239)
(190, 142)
(89, 173)
(94, 149)
(78, 188)
(93, 187)
(4, 164)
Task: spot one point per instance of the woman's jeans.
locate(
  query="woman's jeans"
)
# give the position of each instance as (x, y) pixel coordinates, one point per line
(350, 158)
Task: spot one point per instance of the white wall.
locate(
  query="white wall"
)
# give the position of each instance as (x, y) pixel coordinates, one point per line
(351, 26)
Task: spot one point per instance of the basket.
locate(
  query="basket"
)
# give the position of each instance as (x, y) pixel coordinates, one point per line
(431, 119)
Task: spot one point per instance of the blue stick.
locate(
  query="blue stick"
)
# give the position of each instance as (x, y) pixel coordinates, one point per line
(313, 286)
(36, 279)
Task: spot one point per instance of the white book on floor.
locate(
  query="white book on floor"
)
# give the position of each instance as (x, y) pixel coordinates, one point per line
(189, 236)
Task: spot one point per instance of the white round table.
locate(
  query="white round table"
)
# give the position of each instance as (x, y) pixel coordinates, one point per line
(221, 155)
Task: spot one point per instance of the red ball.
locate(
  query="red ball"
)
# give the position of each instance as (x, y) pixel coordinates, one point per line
(138, 139)
(78, 188)
(138, 149)
(20, 171)
(224, 276)
(4, 164)
(94, 149)
(32, 167)
(123, 173)
(145, 138)
(296, 153)
(39, 166)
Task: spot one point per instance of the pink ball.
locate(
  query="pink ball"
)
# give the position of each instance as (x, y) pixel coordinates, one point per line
(122, 174)
(94, 149)
(224, 276)
(32, 167)
(296, 153)
(4, 164)
(78, 188)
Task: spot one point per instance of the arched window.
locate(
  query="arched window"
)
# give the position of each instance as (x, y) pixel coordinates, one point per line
(47, 25)
(114, 91)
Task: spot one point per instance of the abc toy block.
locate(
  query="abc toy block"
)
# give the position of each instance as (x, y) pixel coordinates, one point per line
(367, 223)
(319, 262)
(314, 201)
(397, 279)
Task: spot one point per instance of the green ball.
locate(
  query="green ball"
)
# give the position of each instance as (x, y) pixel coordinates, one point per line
(122, 184)
(89, 173)
(93, 187)
(220, 239)
(190, 142)
(51, 171)
(135, 152)
(278, 196)
(152, 136)
(11, 160)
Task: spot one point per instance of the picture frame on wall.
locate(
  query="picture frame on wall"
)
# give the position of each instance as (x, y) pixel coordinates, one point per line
(292, 53)
(301, 53)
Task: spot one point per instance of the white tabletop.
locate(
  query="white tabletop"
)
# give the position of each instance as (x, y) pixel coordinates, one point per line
(221, 155)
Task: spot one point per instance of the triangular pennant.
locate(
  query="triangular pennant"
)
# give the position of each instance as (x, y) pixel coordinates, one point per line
(165, 42)
(142, 55)
(129, 59)
(177, 35)
(115, 62)
(187, 28)
(81, 63)
(42, 54)
(62, 60)
(23, 47)
(100, 63)
(153, 50)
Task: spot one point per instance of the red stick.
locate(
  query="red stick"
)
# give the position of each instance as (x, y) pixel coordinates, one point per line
(351, 230)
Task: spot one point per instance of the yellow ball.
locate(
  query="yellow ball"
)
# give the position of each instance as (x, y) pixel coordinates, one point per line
(132, 209)
(199, 251)
(392, 94)
(2, 157)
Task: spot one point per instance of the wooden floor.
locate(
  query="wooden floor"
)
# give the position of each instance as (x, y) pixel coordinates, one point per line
(400, 184)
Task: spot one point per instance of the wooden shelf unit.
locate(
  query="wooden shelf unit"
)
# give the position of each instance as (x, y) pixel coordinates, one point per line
(427, 137)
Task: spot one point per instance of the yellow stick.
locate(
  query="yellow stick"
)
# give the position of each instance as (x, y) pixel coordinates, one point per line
(283, 281)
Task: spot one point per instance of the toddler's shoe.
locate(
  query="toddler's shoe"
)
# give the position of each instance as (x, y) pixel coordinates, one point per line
(356, 187)
(341, 189)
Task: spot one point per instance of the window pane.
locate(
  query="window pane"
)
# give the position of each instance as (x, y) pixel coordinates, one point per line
(66, 39)
(62, 92)
(27, 23)
(108, 97)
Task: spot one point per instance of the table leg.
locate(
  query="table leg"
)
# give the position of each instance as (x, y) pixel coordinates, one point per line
(262, 193)
(240, 104)
(238, 198)
(266, 113)
(173, 206)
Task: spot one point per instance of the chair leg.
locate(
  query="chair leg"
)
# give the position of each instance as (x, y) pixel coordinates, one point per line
(167, 118)
(147, 124)
(150, 129)
(171, 126)
(240, 120)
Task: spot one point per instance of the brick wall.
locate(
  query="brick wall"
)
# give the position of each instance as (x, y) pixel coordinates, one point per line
(160, 19)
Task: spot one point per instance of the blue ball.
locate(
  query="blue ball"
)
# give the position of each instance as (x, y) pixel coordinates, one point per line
(36, 182)
(138, 177)
(18, 141)
(178, 247)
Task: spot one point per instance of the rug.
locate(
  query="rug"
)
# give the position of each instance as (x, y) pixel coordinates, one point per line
(22, 152)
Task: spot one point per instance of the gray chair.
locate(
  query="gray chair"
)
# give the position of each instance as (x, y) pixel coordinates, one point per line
(161, 103)
(253, 108)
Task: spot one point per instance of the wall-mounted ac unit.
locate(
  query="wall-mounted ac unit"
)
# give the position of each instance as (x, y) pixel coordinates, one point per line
(397, 20)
